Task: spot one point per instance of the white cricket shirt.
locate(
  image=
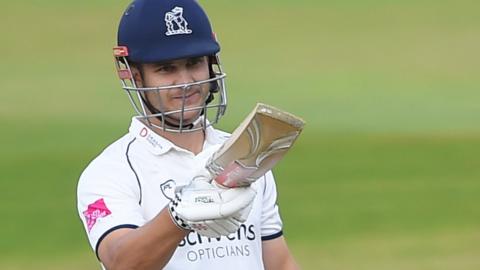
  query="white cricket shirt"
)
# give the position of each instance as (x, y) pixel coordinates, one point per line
(121, 189)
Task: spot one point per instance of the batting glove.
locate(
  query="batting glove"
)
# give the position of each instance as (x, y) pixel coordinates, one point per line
(210, 210)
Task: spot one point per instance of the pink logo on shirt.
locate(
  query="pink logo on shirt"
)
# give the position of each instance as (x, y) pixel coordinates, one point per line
(96, 210)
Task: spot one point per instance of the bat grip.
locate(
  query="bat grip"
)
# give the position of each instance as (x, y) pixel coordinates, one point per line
(215, 183)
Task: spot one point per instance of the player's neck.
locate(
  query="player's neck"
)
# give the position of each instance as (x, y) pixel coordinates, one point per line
(191, 141)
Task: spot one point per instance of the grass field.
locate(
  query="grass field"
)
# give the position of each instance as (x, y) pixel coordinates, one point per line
(385, 176)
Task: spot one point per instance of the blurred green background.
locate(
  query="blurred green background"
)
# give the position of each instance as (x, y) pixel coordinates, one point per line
(385, 176)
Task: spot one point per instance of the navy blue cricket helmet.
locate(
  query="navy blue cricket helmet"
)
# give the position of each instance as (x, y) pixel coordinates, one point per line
(153, 31)
(162, 30)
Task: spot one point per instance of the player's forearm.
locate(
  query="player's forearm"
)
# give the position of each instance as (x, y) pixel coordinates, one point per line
(148, 247)
(289, 264)
(277, 256)
(282, 263)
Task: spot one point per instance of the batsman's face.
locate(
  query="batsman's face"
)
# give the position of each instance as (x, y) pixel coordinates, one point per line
(174, 73)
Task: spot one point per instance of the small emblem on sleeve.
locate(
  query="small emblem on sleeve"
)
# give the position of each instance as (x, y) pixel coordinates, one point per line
(96, 210)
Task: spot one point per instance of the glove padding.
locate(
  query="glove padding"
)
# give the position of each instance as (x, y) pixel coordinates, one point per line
(210, 210)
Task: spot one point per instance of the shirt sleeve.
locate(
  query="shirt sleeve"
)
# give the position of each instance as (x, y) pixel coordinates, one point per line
(108, 198)
(271, 221)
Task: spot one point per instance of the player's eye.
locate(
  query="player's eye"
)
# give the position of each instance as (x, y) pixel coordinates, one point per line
(195, 61)
(165, 68)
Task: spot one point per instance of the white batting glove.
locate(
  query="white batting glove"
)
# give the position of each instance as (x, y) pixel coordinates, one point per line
(209, 210)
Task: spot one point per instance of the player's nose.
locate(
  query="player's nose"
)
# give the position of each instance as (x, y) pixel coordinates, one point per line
(184, 76)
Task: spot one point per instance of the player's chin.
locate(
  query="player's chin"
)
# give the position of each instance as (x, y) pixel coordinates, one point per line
(187, 117)
(188, 110)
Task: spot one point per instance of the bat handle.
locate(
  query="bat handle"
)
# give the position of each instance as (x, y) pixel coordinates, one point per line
(217, 184)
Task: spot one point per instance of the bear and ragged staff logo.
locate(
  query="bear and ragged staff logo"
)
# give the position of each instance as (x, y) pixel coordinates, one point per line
(176, 24)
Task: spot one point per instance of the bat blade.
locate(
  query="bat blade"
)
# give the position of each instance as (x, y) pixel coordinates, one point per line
(255, 146)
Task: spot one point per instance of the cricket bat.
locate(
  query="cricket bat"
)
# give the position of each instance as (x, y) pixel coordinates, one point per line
(256, 145)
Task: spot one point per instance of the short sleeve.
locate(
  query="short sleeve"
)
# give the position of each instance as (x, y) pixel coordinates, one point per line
(108, 198)
(271, 221)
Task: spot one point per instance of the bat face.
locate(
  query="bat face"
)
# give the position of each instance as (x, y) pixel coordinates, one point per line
(254, 148)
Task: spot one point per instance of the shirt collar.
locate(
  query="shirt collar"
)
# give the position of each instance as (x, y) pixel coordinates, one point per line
(154, 142)
(212, 137)
(158, 145)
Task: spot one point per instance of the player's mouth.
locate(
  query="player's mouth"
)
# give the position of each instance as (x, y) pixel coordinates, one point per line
(191, 97)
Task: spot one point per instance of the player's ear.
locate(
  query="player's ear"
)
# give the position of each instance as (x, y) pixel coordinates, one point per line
(213, 85)
(137, 74)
